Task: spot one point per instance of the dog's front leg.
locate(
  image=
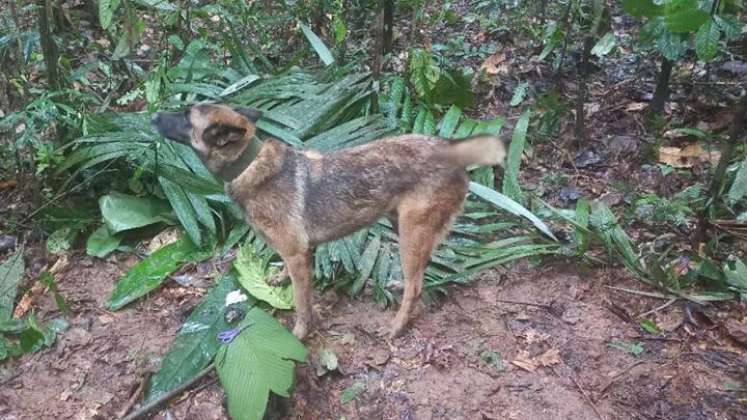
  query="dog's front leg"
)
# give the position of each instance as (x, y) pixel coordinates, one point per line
(299, 268)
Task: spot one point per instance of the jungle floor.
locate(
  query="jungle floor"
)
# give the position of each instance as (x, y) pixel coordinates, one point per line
(527, 343)
(548, 341)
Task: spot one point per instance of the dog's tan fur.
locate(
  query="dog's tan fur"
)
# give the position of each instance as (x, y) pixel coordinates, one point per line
(298, 199)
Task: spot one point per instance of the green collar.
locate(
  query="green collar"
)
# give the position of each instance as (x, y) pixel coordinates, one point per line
(237, 167)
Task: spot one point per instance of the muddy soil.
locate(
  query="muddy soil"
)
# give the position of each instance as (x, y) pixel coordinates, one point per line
(527, 343)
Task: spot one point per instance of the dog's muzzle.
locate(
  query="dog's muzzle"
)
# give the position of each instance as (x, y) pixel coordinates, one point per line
(173, 126)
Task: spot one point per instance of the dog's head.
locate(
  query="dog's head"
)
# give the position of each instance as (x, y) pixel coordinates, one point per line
(218, 133)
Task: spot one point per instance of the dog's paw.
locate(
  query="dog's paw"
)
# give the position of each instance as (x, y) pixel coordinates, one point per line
(300, 331)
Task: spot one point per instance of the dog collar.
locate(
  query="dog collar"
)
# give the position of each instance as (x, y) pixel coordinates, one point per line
(235, 168)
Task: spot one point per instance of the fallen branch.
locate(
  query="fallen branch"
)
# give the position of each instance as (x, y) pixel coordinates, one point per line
(153, 405)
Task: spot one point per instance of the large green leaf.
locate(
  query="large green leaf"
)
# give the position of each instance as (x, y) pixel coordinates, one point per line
(643, 8)
(706, 40)
(149, 273)
(511, 186)
(604, 45)
(11, 273)
(182, 206)
(196, 344)
(324, 54)
(739, 186)
(671, 45)
(123, 212)
(258, 361)
(106, 12)
(505, 203)
(683, 16)
(253, 276)
(102, 242)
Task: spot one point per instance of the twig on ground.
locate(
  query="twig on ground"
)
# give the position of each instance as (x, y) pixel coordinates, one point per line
(153, 405)
(516, 302)
(135, 395)
(583, 392)
(619, 375)
(659, 308)
(640, 293)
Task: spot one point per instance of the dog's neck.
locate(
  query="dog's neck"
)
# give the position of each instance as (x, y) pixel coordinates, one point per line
(235, 168)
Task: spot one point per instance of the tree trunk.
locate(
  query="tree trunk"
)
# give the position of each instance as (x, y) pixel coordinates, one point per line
(388, 23)
(378, 44)
(661, 95)
(49, 48)
(583, 80)
(17, 22)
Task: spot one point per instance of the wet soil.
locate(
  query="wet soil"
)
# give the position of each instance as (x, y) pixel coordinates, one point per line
(526, 343)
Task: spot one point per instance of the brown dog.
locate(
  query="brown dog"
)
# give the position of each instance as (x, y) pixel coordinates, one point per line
(298, 199)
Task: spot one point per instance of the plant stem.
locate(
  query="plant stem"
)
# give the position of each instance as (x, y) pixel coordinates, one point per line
(49, 48)
(661, 95)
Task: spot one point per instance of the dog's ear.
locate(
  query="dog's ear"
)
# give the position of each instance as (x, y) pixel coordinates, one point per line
(251, 114)
(223, 134)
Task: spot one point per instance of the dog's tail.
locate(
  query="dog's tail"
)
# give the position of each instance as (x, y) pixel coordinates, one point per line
(481, 150)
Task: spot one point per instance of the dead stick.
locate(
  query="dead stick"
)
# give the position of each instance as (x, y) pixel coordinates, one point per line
(659, 308)
(585, 395)
(516, 302)
(135, 395)
(148, 408)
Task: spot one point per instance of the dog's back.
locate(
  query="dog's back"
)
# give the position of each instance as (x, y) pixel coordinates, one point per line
(354, 187)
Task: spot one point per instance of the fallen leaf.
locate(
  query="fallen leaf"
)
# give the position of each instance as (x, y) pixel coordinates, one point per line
(165, 237)
(687, 156)
(533, 336)
(6, 185)
(525, 362)
(549, 358)
(635, 107)
(495, 64)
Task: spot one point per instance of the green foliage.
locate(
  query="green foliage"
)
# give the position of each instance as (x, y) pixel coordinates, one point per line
(671, 24)
(654, 209)
(324, 54)
(513, 161)
(11, 273)
(258, 361)
(22, 336)
(196, 345)
(122, 212)
(102, 242)
(253, 275)
(736, 278)
(149, 273)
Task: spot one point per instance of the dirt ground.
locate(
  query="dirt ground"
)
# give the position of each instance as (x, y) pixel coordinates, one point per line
(527, 343)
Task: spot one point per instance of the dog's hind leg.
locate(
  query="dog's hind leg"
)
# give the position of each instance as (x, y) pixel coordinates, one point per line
(423, 221)
(299, 268)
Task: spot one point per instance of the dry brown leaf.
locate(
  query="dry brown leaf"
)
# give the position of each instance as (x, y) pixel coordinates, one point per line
(527, 365)
(23, 305)
(686, 157)
(549, 358)
(166, 237)
(495, 64)
(635, 106)
(60, 265)
(533, 336)
(6, 185)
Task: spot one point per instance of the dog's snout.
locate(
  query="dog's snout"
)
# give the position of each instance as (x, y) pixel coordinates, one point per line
(172, 125)
(156, 118)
